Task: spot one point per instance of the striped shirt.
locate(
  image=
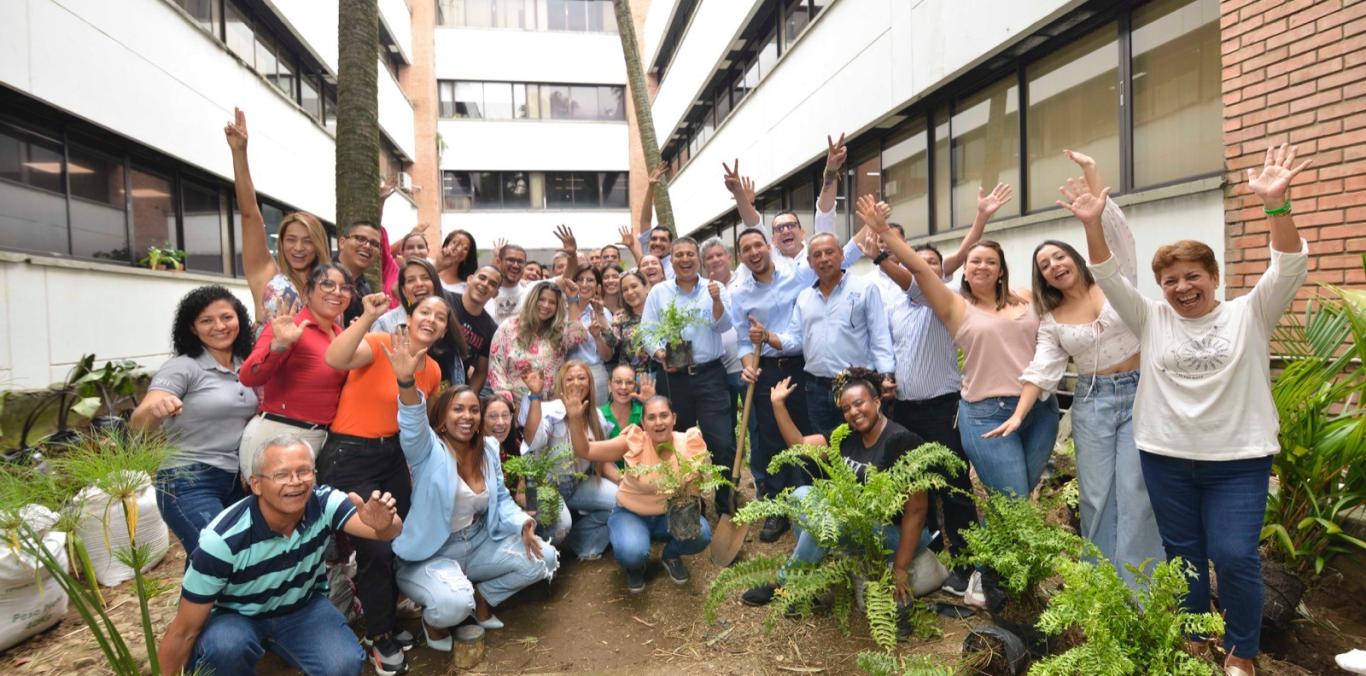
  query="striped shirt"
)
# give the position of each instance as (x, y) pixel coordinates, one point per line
(926, 358)
(243, 566)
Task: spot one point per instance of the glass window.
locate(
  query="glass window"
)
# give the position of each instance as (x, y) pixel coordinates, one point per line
(614, 190)
(498, 100)
(469, 99)
(238, 31)
(556, 15)
(98, 223)
(457, 191)
(519, 109)
(308, 97)
(330, 108)
(203, 11)
(1178, 109)
(555, 98)
(446, 98)
(284, 78)
(986, 148)
(203, 242)
(587, 186)
(32, 206)
(584, 102)
(942, 203)
(450, 12)
(487, 188)
(768, 53)
(516, 190)
(611, 102)
(906, 177)
(578, 15)
(801, 198)
(479, 14)
(271, 215)
(1073, 103)
(795, 18)
(752, 75)
(153, 212)
(265, 55)
(722, 104)
(559, 189)
(516, 14)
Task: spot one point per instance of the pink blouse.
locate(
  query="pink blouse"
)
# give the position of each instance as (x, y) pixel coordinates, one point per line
(509, 361)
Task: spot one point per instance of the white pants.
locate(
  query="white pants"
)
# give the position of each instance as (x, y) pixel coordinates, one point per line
(259, 431)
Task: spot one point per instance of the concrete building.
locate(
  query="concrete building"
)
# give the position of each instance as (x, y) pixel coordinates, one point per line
(1175, 98)
(111, 118)
(531, 127)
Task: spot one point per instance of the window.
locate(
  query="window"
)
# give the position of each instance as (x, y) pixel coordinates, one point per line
(284, 78)
(768, 53)
(1073, 103)
(943, 210)
(796, 16)
(497, 101)
(516, 190)
(469, 99)
(202, 227)
(308, 97)
(555, 99)
(520, 110)
(154, 219)
(98, 223)
(583, 102)
(986, 148)
(238, 32)
(265, 55)
(1177, 104)
(330, 109)
(614, 189)
(457, 191)
(446, 98)
(611, 103)
(556, 15)
(906, 177)
(271, 215)
(206, 12)
(518, 100)
(560, 187)
(32, 203)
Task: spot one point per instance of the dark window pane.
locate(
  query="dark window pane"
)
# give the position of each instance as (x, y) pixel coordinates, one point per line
(265, 55)
(469, 99)
(586, 190)
(203, 243)
(611, 103)
(286, 70)
(96, 177)
(516, 190)
(457, 191)
(330, 108)
(239, 35)
(29, 218)
(559, 189)
(584, 102)
(308, 97)
(497, 101)
(98, 223)
(795, 18)
(486, 190)
(614, 186)
(203, 11)
(722, 104)
(555, 98)
(519, 109)
(153, 213)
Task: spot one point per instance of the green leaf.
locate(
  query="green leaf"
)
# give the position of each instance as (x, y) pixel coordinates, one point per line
(86, 406)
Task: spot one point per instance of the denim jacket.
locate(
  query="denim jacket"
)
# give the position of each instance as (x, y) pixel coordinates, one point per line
(434, 487)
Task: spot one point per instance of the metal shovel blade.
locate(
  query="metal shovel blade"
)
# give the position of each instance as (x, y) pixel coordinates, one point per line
(729, 537)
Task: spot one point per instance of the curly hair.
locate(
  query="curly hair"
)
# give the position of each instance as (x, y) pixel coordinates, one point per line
(183, 339)
(856, 376)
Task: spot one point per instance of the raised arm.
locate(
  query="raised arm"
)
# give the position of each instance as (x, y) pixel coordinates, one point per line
(742, 189)
(948, 305)
(569, 245)
(628, 240)
(647, 202)
(256, 258)
(1272, 185)
(611, 450)
(531, 426)
(349, 350)
(375, 518)
(835, 156)
(273, 347)
(987, 205)
(791, 435)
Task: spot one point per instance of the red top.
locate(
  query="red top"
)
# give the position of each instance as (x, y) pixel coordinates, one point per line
(296, 383)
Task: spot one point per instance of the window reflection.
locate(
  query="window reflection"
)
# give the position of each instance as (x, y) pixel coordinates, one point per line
(32, 206)
(153, 212)
(203, 227)
(906, 177)
(986, 148)
(1178, 109)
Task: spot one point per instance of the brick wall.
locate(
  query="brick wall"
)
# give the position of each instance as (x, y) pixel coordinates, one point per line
(1295, 71)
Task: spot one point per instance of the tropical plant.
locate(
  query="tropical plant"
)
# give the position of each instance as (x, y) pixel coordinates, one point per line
(888, 664)
(68, 398)
(640, 104)
(166, 257)
(1321, 469)
(1018, 543)
(675, 479)
(117, 465)
(668, 330)
(543, 471)
(846, 517)
(1126, 631)
(114, 383)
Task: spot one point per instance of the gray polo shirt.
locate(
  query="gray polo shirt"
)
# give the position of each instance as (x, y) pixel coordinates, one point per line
(216, 410)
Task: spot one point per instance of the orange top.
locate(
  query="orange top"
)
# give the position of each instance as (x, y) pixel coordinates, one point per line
(369, 399)
(637, 493)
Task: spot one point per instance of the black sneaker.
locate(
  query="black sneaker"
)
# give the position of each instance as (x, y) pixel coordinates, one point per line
(956, 583)
(387, 656)
(758, 596)
(677, 571)
(774, 527)
(635, 581)
(402, 637)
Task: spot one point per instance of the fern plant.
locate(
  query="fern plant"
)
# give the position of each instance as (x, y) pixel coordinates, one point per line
(1127, 632)
(674, 479)
(1020, 545)
(668, 329)
(543, 471)
(846, 517)
(888, 664)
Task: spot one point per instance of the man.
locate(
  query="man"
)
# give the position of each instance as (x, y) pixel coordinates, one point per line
(533, 272)
(716, 263)
(595, 259)
(357, 249)
(698, 391)
(511, 262)
(256, 581)
(475, 323)
(559, 263)
(837, 323)
(610, 257)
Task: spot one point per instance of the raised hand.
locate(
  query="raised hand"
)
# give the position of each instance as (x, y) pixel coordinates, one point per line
(1084, 205)
(1273, 182)
(168, 406)
(867, 243)
(987, 204)
(575, 408)
(658, 174)
(731, 178)
(374, 306)
(402, 357)
(1083, 160)
(566, 237)
(781, 390)
(498, 245)
(835, 154)
(534, 381)
(283, 329)
(871, 215)
(645, 388)
(628, 237)
(377, 512)
(236, 131)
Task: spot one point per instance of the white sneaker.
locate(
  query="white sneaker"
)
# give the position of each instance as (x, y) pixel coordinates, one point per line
(1353, 661)
(974, 596)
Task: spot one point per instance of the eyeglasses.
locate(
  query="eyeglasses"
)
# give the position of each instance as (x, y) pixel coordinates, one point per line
(514, 261)
(331, 286)
(362, 240)
(784, 227)
(288, 476)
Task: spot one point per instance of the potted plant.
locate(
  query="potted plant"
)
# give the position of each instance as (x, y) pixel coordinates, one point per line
(68, 398)
(668, 331)
(113, 384)
(542, 472)
(164, 258)
(680, 481)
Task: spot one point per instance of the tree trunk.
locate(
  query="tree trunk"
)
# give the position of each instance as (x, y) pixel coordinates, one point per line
(640, 102)
(357, 161)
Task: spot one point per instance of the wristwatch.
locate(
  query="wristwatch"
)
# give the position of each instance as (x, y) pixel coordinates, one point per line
(881, 257)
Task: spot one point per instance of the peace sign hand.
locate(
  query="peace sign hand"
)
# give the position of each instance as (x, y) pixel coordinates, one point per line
(835, 154)
(731, 178)
(1272, 183)
(236, 131)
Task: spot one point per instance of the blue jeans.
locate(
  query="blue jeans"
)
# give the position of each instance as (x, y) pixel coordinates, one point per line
(444, 584)
(582, 524)
(190, 496)
(632, 534)
(820, 405)
(1212, 511)
(313, 639)
(1013, 463)
(1115, 512)
(809, 552)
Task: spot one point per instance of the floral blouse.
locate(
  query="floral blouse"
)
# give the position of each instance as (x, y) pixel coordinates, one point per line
(624, 327)
(508, 361)
(278, 295)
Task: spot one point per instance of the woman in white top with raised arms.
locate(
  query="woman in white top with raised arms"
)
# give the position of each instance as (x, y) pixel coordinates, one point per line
(1204, 420)
(1078, 324)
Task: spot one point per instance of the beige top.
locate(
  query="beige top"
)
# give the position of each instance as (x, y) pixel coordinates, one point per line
(996, 350)
(637, 493)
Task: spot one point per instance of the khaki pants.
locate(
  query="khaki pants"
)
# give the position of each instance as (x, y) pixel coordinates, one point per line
(259, 431)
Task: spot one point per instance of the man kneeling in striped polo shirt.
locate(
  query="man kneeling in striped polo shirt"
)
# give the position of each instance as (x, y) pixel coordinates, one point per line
(256, 582)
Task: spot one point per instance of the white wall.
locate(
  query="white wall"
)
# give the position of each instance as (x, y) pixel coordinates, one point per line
(395, 114)
(399, 20)
(533, 145)
(500, 54)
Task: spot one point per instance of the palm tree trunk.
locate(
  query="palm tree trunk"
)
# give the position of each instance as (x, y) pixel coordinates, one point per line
(357, 161)
(640, 101)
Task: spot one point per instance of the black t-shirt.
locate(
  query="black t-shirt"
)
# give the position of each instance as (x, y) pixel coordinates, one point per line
(894, 442)
(478, 330)
(357, 306)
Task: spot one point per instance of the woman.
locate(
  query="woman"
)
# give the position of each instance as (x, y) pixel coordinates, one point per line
(598, 321)
(413, 246)
(611, 289)
(1079, 324)
(653, 270)
(466, 546)
(629, 394)
(362, 453)
(1205, 424)
(497, 424)
(582, 522)
(538, 339)
(301, 244)
(196, 398)
(459, 259)
(873, 441)
(640, 513)
(634, 290)
(299, 391)
(417, 282)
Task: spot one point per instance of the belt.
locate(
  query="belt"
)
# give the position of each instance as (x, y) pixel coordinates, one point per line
(275, 417)
(694, 369)
(381, 441)
(783, 362)
(932, 401)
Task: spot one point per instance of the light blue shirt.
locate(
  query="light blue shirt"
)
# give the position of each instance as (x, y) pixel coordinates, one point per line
(847, 329)
(771, 304)
(587, 351)
(706, 339)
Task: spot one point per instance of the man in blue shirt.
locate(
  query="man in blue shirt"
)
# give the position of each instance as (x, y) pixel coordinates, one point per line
(838, 322)
(699, 390)
(256, 582)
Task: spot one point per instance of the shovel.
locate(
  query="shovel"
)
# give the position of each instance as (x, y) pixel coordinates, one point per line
(728, 537)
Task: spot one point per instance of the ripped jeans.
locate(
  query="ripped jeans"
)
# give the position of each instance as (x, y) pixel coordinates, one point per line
(444, 584)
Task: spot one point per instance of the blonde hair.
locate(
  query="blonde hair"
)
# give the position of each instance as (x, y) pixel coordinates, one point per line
(316, 234)
(529, 326)
(557, 392)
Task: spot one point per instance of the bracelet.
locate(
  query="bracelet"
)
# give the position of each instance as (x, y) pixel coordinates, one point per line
(572, 300)
(405, 384)
(534, 396)
(882, 257)
(1281, 210)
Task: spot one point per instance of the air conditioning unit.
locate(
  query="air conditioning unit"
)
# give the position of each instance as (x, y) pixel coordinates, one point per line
(405, 181)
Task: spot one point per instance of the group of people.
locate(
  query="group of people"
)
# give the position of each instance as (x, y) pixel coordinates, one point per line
(348, 419)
